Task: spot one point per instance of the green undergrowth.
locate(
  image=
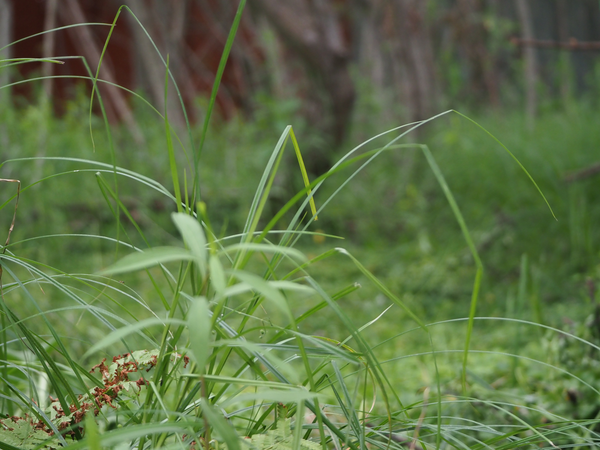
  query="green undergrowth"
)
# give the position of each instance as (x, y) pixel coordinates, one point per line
(154, 295)
(423, 252)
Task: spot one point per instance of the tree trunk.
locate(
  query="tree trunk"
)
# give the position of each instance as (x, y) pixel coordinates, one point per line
(313, 31)
(91, 50)
(165, 23)
(417, 66)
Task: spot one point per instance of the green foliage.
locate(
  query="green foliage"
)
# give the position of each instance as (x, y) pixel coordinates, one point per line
(115, 391)
(280, 438)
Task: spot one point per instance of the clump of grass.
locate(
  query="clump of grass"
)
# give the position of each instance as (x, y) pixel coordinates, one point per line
(225, 333)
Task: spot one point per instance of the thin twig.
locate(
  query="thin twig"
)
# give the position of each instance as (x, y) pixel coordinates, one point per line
(395, 437)
(583, 173)
(572, 44)
(413, 444)
(12, 224)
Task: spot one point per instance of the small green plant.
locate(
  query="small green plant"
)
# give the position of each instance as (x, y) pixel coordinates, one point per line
(115, 391)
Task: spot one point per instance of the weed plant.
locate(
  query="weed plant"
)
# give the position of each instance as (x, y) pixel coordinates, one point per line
(223, 351)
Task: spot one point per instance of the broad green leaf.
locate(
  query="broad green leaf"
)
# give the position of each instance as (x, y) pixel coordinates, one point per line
(263, 287)
(6, 446)
(193, 235)
(21, 434)
(148, 258)
(119, 334)
(241, 288)
(266, 248)
(217, 275)
(237, 289)
(291, 286)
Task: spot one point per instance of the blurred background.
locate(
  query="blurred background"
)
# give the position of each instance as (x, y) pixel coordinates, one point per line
(339, 71)
(422, 56)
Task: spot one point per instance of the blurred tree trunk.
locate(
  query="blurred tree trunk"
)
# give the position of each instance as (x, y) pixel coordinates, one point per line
(47, 52)
(6, 21)
(412, 42)
(369, 36)
(165, 23)
(469, 31)
(529, 55)
(313, 31)
(90, 49)
(48, 45)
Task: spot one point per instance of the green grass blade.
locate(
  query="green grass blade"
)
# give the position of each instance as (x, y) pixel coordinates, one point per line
(194, 237)
(149, 258)
(513, 157)
(172, 160)
(383, 288)
(303, 171)
(348, 406)
(217, 82)
(119, 334)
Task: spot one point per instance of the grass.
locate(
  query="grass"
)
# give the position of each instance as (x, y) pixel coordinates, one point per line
(211, 334)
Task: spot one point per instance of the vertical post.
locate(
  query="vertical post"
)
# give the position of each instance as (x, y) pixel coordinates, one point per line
(530, 70)
(564, 56)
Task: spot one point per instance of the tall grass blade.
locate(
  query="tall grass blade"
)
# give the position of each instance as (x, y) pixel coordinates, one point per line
(215, 89)
(467, 236)
(171, 151)
(383, 288)
(313, 209)
(513, 157)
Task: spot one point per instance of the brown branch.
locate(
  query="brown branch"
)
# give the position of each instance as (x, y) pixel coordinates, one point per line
(572, 45)
(583, 173)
